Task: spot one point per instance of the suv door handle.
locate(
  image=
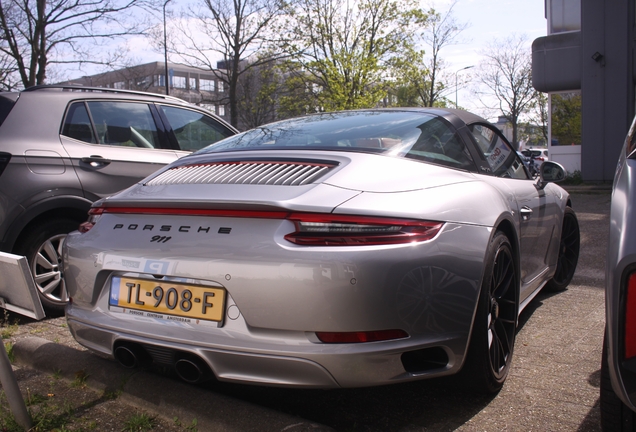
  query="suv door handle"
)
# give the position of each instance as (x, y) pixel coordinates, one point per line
(526, 212)
(96, 161)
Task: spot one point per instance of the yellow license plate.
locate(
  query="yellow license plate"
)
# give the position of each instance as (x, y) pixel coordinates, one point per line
(164, 297)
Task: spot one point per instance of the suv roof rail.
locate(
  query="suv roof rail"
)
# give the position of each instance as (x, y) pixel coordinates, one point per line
(81, 88)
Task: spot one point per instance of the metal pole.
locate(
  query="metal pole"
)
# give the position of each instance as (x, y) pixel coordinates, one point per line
(165, 47)
(467, 67)
(11, 389)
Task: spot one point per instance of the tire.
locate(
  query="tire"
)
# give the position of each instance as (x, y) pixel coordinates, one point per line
(42, 246)
(615, 415)
(494, 329)
(568, 252)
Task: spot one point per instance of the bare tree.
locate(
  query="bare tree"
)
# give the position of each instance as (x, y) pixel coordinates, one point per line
(234, 31)
(39, 34)
(442, 29)
(259, 89)
(8, 78)
(506, 75)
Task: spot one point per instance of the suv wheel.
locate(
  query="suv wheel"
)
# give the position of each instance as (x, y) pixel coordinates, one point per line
(42, 247)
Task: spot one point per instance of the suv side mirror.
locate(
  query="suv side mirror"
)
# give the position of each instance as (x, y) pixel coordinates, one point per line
(551, 172)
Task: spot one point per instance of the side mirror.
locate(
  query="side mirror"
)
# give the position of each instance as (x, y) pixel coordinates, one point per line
(551, 172)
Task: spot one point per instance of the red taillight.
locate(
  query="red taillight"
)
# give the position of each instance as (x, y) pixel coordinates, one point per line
(359, 337)
(312, 229)
(93, 214)
(630, 317)
(344, 230)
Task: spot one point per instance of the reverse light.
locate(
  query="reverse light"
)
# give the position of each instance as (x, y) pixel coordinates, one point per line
(360, 337)
(343, 230)
(630, 317)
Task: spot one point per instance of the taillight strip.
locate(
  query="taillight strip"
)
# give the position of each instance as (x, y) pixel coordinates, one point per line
(312, 229)
(630, 317)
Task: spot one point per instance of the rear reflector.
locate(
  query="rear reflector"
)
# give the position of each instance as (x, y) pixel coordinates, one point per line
(359, 337)
(630, 317)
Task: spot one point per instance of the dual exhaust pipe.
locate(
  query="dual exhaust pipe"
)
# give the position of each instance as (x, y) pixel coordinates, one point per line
(188, 367)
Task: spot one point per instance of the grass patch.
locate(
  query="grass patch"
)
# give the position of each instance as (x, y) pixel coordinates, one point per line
(139, 423)
(192, 427)
(7, 329)
(80, 379)
(8, 347)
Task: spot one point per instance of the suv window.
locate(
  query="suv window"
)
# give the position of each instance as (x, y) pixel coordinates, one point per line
(126, 124)
(194, 130)
(501, 157)
(6, 104)
(78, 124)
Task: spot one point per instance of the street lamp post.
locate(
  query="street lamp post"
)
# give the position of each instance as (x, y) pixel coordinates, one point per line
(464, 68)
(165, 47)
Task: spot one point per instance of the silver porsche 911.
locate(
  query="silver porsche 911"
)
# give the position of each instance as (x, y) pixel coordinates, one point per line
(333, 250)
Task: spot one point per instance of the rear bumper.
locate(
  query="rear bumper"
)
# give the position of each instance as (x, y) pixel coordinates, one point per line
(331, 366)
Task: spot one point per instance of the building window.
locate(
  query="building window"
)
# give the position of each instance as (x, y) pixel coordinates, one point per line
(221, 110)
(179, 82)
(564, 16)
(565, 118)
(221, 87)
(121, 85)
(209, 107)
(160, 80)
(206, 84)
(144, 82)
(192, 84)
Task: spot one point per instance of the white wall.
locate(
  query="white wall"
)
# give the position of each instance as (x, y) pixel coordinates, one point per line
(568, 156)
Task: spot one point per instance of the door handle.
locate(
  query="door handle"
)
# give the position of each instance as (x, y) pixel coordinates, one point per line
(96, 161)
(525, 212)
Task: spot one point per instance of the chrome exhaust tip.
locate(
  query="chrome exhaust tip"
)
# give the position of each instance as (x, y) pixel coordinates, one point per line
(130, 355)
(192, 369)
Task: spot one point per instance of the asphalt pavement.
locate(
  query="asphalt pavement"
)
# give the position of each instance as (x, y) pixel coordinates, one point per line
(553, 383)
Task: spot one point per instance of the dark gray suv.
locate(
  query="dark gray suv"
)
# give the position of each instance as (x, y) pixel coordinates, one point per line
(63, 147)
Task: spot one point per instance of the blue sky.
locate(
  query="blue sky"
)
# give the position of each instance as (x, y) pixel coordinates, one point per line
(490, 20)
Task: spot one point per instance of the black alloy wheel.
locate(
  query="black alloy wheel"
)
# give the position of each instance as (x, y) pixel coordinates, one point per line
(502, 317)
(494, 330)
(568, 252)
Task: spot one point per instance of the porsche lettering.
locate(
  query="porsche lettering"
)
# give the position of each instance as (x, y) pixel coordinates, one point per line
(163, 228)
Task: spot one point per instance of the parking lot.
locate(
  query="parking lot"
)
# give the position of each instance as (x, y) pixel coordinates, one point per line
(553, 384)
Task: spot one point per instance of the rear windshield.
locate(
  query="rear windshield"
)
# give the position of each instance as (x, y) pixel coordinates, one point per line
(413, 135)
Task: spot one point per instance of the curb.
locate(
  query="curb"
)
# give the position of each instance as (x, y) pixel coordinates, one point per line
(588, 189)
(152, 392)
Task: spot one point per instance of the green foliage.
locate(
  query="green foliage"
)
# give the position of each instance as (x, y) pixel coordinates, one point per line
(9, 348)
(346, 49)
(7, 329)
(80, 379)
(566, 118)
(139, 422)
(573, 178)
(192, 427)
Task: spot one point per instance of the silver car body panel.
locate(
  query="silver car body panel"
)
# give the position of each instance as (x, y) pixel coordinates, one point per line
(621, 256)
(279, 294)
